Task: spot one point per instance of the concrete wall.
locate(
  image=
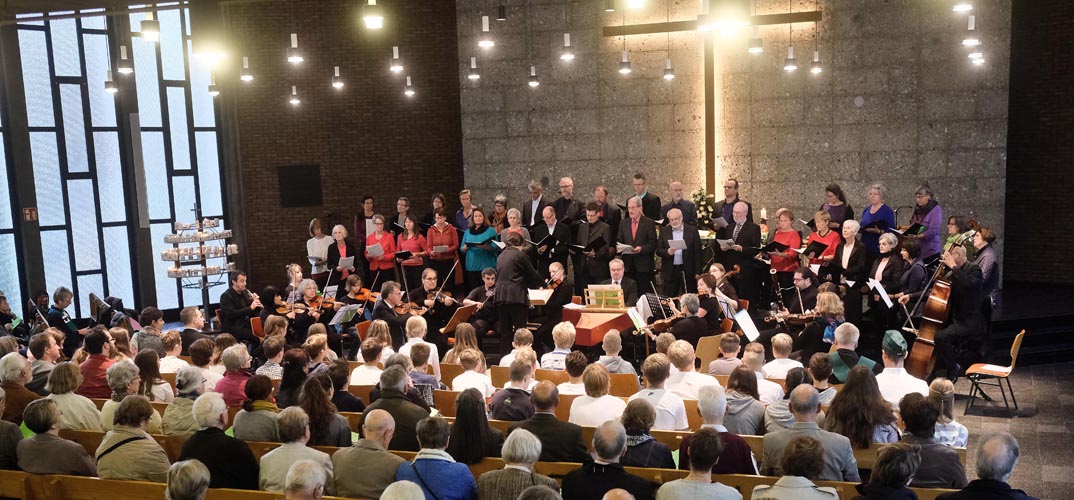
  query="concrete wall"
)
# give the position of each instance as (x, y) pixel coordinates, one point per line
(898, 102)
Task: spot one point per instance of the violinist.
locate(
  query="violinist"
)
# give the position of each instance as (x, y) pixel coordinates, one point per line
(392, 310)
(237, 306)
(279, 307)
(887, 269)
(442, 241)
(965, 323)
(338, 249)
(411, 240)
(553, 308)
(713, 304)
(307, 311)
(849, 266)
(690, 327)
(382, 266)
(355, 295)
(819, 334)
(438, 305)
(723, 282)
(294, 277)
(486, 316)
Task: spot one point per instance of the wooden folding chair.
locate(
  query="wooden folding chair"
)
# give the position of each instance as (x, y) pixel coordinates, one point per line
(979, 372)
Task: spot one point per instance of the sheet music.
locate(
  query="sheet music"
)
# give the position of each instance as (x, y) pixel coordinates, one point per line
(369, 227)
(815, 268)
(293, 297)
(345, 313)
(348, 262)
(726, 245)
(624, 249)
(499, 244)
(850, 283)
(677, 244)
(540, 295)
(720, 222)
(330, 291)
(374, 250)
(746, 323)
(440, 249)
(315, 260)
(572, 305)
(636, 318)
(879, 289)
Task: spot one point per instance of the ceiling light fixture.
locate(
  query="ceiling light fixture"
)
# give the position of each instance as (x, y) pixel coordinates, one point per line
(635, 4)
(568, 52)
(609, 5)
(816, 67)
(408, 90)
(756, 42)
(501, 12)
(976, 55)
(533, 77)
(978, 61)
(486, 40)
(669, 72)
(124, 67)
(294, 96)
(624, 64)
(962, 7)
(214, 90)
(245, 75)
(971, 39)
(372, 15)
(294, 56)
(337, 82)
(150, 28)
(396, 64)
(110, 84)
(790, 64)
(474, 75)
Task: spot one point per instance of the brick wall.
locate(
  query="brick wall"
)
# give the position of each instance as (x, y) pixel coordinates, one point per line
(367, 137)
(1041, 143)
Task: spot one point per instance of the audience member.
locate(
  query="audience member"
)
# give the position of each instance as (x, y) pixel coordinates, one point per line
(769, 392)
(124, 380)
(948, 431)
(563, 335)
(403, 490)
(419, 360)
(745, 412)
(367, 468)
(542, 492)
(803, 461)
(728, 360)
(327, 426)
(642, 449)
(273, 348)
(412, 393)
(193, 321)
(895, 466)
(178, 419)
(233, 385)
(306, 480)
(201, 356)
(820, 368)
(316, 347)
(294, 430)
(339, 373)
(845, 356)
(173, 348)
(46, 353)
(523, 338)
(296, 366)
(612, 346)
(369, 373)
(416, 329)
(433, 468)
(706, 448)
(47, 452)
(940, 466)
(513, 402)
(575, 364)
(153, 385)
(737, 457)
(230, 462)
(781, 349)
(860, 413)
(594, 479)
(670, 411)
(997, 457)
(472, 438)
(257, 421)
(405, 414)
(127, 451)
(98, 344)
(521, 451)
(474, 377)
(465, 338)
(894, 381)
(77, 412)
(596, 406)
(10, 436)
(839, 463)
(187, 480)
(778, 416)
(686, 381)
(560, 441)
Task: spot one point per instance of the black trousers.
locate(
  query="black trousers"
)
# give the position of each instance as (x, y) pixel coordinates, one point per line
(512, 317)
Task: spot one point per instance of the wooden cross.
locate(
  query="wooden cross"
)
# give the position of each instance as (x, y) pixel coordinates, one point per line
(710, 68)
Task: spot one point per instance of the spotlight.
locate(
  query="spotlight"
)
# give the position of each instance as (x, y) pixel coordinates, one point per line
(245, 75)
(669, 72)
(294, 96)
(337, 82)
(624, 64)
(294, 56)
(568, 52)
(372, 15)
(790, 64)
(396, 64)
(409, 89)
(533, 82)
(474, 75)
(150, 28)
(124, 67)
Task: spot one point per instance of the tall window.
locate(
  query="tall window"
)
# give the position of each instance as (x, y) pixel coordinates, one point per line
(9, 263)
(87, 222)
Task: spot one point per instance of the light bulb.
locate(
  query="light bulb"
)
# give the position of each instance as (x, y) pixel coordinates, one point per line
(294, 96)
(962, 7)
(337, 82)
(669, 72)
(486, 40)
(790, 64)
(624, 64)
(109, 84)
(816, 68)
(501, 12)
(568, 52)
(474, 75)
(150, 28)
(976, 55)
(756, 42)
(533, 82)
(408, 90)
(372, 15)
(396, 64)
(124, 67)
(971, 39)
(294, 56)
(245, 75)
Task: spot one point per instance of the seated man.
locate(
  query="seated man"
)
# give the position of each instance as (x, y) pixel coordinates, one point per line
(839, 462)
(894, 381)
(707, 448)
(306, 480)
(367, 468)
(940, 466)
(736, 456)
(513, 402)
(563, 336)
(560, 441)
(594, 479)
(997, 455)
(46, 354)
(575, 364)
(613, 345)
(434, 469)
(845, 357)
(670, 411)
(369, 373)
(802, 462)
(769, 391)
(472, 361)
(294, 430)
(99, 346)
(617, 269)
(486, 315)
(523, 338)
(730, 346)
(686, 381)
(339, 372)
(193, 322)
(419, 359)
(820, 368)
(231, 463)
(781, 348)
(596, 406)
(404, 413)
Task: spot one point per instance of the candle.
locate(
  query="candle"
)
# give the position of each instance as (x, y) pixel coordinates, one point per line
(764, 213)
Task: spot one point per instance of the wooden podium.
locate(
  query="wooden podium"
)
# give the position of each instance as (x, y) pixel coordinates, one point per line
(598, 315)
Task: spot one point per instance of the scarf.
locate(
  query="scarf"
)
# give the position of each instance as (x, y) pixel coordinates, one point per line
(922, 211)
(886, 254)
(829, 330)
(261, 404)
(639, 439)
(478, 230)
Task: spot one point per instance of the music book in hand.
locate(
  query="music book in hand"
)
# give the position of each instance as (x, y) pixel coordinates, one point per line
(876, 224)
(879, 289)
(440, 249)
(815, 247)
(374, 250)
(677, 244)
(548, 240)
(774, 246)
(624, 249)
(348, 262)
(398, 225)
(499, 244)
(315, 260)
(913, 230)
(725, 245)
(404, 255)
(472, 244)
(811, 224)
(719, 222)
(594, 245)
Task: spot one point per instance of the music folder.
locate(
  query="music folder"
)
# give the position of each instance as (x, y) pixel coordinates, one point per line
(596, 244)
(548, 240)
(876, 224)
(774, 246)
(472, 244)
(398, 225)
(815, 247)
(811, 224)
(404, 255)
(914, 229)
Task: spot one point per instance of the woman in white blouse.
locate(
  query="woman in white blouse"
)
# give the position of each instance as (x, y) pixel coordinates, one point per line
(76, 412)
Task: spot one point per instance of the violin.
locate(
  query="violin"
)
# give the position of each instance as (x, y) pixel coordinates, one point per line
(321, 302)
(552, 284)
(284, 309)
(365, 295)
(409, 308)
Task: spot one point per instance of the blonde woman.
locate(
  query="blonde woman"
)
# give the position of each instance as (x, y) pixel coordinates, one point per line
(379, 330)
(948, 431)
(819, 335)
(465, 338)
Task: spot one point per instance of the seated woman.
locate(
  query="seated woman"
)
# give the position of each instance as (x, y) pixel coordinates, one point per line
(179, 416)
(778, 416)
(47, 452)
(895, 466)
(819, 334)
(327, 426)
(127, 451)
(232, 386)
(380, 331)
(642, 449)
(295, 371)
(124, 380)
(745, 413)
(257, 419)
(153, 386)
(802, 462)
(76, 411)
(472, 438)
(521, 451)
(187, 480)
(860, 412)
(465, 338)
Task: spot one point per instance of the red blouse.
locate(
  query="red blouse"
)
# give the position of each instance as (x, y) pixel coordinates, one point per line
(832, 239)
(386, 261)
(414, 245)
(792, 240)
(448, 237)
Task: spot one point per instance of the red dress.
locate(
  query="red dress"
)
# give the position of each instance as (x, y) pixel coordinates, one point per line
(832, 239)
(413, 245)
(386, 261)
(792, 240)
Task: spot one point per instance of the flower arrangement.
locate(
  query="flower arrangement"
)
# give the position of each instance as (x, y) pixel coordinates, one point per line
(706, 207)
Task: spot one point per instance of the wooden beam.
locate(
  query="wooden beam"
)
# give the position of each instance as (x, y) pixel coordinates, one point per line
(691, 25)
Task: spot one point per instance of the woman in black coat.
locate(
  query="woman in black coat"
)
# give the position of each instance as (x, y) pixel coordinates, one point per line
(339, 276)
(643, 450)
(849, 266)
(888, 266)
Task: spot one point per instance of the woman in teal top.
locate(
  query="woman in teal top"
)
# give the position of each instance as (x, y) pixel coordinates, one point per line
(478, 247)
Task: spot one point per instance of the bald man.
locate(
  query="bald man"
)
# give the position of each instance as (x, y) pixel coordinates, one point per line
(687, 207)
(595, 479)
(679, 267)
(560, 441)
(966, 323)
(551, 251)
(617, 494)
(839, 463)
(745, 239)
(367, 468)
(639, 233)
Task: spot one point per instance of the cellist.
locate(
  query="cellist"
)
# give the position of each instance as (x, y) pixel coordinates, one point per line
(965, 321)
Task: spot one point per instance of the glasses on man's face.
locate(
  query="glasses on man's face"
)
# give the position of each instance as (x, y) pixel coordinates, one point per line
(729, 187)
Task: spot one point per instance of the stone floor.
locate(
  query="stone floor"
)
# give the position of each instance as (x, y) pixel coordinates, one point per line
(1042, 426)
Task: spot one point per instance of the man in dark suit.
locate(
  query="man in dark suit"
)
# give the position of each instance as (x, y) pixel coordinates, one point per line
(638, 232)
(515, 275)
(560, 441)
(593, 480)
(532, 208)
(193, 322)
(592, 266)
(617, 270)
(689, 210)
(726, 205)
(393, 399)
(679, 267)
(746, 237)
(650, 203)
(551, 252)
(568, 210)
(607, 211)
(997, 455)
(390, 297)
(965, 323)
(237, 306)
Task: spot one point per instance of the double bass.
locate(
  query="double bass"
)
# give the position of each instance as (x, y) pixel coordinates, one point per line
(922, 358)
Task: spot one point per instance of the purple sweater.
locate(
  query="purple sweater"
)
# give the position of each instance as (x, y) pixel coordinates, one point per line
(933, 222)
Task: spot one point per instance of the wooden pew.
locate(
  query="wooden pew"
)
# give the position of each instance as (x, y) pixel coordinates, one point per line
(362, 391)
(89, 488)
(623, 385)
(15, 484)
(501, 375)
(444, 401)
(352, 420)
(555, 376)
(448, 372)
(563, 409)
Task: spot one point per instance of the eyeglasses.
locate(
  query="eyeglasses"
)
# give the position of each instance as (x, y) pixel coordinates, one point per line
(729, 187)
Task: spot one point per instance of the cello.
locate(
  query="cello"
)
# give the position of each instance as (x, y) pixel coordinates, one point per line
(922, 358)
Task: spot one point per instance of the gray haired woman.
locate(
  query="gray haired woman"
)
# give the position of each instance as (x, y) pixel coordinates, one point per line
(179, 417)
(123, 379)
